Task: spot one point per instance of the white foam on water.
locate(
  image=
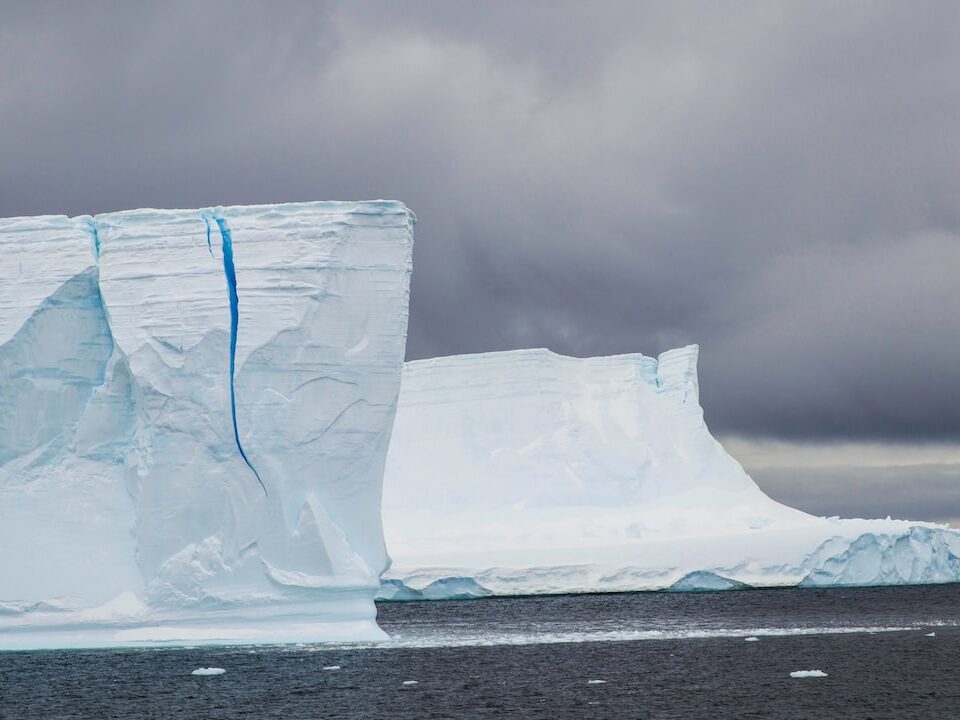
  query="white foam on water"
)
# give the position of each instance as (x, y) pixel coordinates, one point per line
(208, 671)
(488, 639)
(808, 674)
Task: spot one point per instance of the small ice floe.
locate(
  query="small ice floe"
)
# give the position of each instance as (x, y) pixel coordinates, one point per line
(596, 682)
(208, 671)
(807, 673)
(331, 667)
(752, 638)
(410, 682)
(932, 634)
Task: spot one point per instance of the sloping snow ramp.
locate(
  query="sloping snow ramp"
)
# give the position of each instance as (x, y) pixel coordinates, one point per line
(195, 409)
(530, 472)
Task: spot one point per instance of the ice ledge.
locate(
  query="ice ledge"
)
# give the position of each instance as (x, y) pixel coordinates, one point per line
(672, 371)
(831, 553)
(285, 214)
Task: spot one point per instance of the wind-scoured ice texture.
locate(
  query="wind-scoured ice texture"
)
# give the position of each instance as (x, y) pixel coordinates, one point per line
(530, 472)
(196, 408)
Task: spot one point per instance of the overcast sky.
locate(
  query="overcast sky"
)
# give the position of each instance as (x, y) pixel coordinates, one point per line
(778, 182)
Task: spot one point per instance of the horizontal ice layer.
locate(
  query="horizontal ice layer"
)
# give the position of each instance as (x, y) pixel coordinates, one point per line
(39, 255)
(530, 472)
(207, 398)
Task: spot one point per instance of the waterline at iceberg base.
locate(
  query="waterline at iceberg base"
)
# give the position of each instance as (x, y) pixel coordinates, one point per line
(195, 409)
(527, 472)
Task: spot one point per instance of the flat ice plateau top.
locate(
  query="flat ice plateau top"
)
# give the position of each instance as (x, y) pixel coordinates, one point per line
(195, 409)
(527, 472)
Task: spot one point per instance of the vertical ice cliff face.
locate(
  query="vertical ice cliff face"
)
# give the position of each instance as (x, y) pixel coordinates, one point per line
(529, 472)
(511, 452)
(65, 515)
(539, 430)
(237, 380)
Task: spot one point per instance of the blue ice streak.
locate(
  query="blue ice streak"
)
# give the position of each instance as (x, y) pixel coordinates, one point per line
(95, 236)
(231, 273)
(209, 246)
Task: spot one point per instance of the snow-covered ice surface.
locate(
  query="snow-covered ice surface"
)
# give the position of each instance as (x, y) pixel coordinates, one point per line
(528, 472)
(195, 409)
(808, 674)
(208, 671)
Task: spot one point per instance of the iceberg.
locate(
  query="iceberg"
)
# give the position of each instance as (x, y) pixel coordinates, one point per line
(195, 410)
(529, 472)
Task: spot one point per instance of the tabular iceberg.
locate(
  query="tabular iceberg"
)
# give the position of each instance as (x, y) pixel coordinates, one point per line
(528, 472)
(195, 409)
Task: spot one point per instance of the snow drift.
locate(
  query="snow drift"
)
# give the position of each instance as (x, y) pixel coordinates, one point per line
(529, 472)
(195, 409)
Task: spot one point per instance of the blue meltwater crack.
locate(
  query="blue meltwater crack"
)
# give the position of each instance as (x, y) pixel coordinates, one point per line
(95, 236)
(209, 246)
(231, 273)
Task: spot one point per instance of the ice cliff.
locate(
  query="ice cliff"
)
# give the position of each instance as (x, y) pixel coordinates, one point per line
(528, 472)
(195, 409)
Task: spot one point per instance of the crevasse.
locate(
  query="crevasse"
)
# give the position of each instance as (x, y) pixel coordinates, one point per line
(209, 245)
(231, 273)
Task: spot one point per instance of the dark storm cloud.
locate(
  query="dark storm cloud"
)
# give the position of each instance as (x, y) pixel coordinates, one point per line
(778, 182)
(921, 492)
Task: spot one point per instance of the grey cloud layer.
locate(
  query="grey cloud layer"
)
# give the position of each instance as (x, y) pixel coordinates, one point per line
(778, 182)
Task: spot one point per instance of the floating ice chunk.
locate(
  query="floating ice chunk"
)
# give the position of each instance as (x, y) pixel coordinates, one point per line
(454, 588)
(752, 638)
(705, 581)
(208, 671)
(410, 682)
(931, 634)
(807, 673)
(447, 588)
(596, 682)
(331, 667)
(396, 591)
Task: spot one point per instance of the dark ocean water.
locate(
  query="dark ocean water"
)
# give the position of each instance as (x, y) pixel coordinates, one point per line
(659, 655)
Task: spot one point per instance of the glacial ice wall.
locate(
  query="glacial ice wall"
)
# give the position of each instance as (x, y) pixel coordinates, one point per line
(529, 472)
(197, 406)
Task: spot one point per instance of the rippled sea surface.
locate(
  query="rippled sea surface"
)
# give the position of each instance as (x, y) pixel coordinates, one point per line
(643, 655)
